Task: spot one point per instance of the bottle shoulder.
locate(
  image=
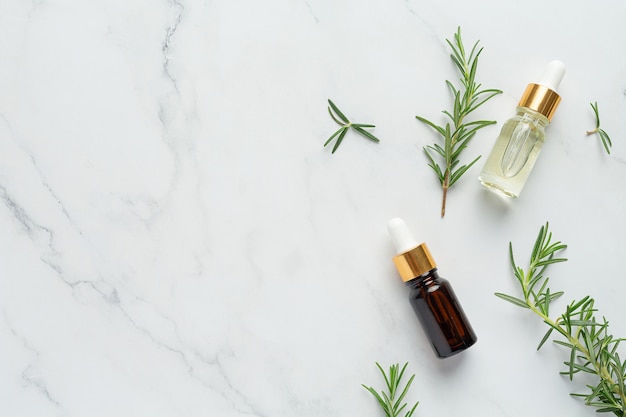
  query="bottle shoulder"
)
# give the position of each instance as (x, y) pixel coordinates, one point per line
(430, 279)
(531, 117)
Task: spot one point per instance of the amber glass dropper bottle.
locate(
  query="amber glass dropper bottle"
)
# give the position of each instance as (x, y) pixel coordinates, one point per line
(431, 297)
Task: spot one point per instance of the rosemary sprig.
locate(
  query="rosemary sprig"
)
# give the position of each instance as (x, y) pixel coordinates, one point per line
(592, 349)
(457, 133)
(345, 124)
(606, 140)
(391, 401)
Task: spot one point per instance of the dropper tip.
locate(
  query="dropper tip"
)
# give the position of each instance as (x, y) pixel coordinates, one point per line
(400, 235)
(553, 75)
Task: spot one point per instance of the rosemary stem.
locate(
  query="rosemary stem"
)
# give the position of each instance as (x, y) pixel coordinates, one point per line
(445, 186)
(446, 180)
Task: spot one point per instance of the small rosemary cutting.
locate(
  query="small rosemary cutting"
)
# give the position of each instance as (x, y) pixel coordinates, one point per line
(345, 124)
(592, 349)
(458, 132)
(391, 401)
(606, 140)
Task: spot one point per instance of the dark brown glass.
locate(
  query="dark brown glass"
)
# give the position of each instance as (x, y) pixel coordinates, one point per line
(440, 314)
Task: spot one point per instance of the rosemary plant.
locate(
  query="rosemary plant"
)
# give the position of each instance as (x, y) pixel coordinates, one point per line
(345, 124)
(458, 132)
(592, 349)
(391, 401)
(606, 140)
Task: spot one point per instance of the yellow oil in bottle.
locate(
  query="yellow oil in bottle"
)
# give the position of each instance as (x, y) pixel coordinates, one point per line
(514, 154)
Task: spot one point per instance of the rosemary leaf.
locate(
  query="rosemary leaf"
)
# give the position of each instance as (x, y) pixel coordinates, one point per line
(341, 129)
(337, 112)
(340, 139)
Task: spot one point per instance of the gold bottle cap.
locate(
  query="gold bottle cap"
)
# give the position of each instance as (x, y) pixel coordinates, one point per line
(415, 262)
(542, 96)
(541, 99)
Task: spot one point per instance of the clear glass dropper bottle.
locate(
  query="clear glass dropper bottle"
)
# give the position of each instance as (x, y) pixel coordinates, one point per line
(431, 297)
(514, 154)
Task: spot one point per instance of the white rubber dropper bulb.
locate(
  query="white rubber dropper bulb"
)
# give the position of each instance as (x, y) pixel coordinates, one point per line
(553, 75)
(400, 235)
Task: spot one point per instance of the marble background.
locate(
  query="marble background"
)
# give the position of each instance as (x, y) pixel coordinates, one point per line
(175, 241)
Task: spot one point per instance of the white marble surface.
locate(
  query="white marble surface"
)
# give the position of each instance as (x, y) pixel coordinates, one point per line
(175, 241)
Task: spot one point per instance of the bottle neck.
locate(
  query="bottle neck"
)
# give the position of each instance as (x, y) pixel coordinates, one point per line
(423, 279)
(522, 111)
(541, 99)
